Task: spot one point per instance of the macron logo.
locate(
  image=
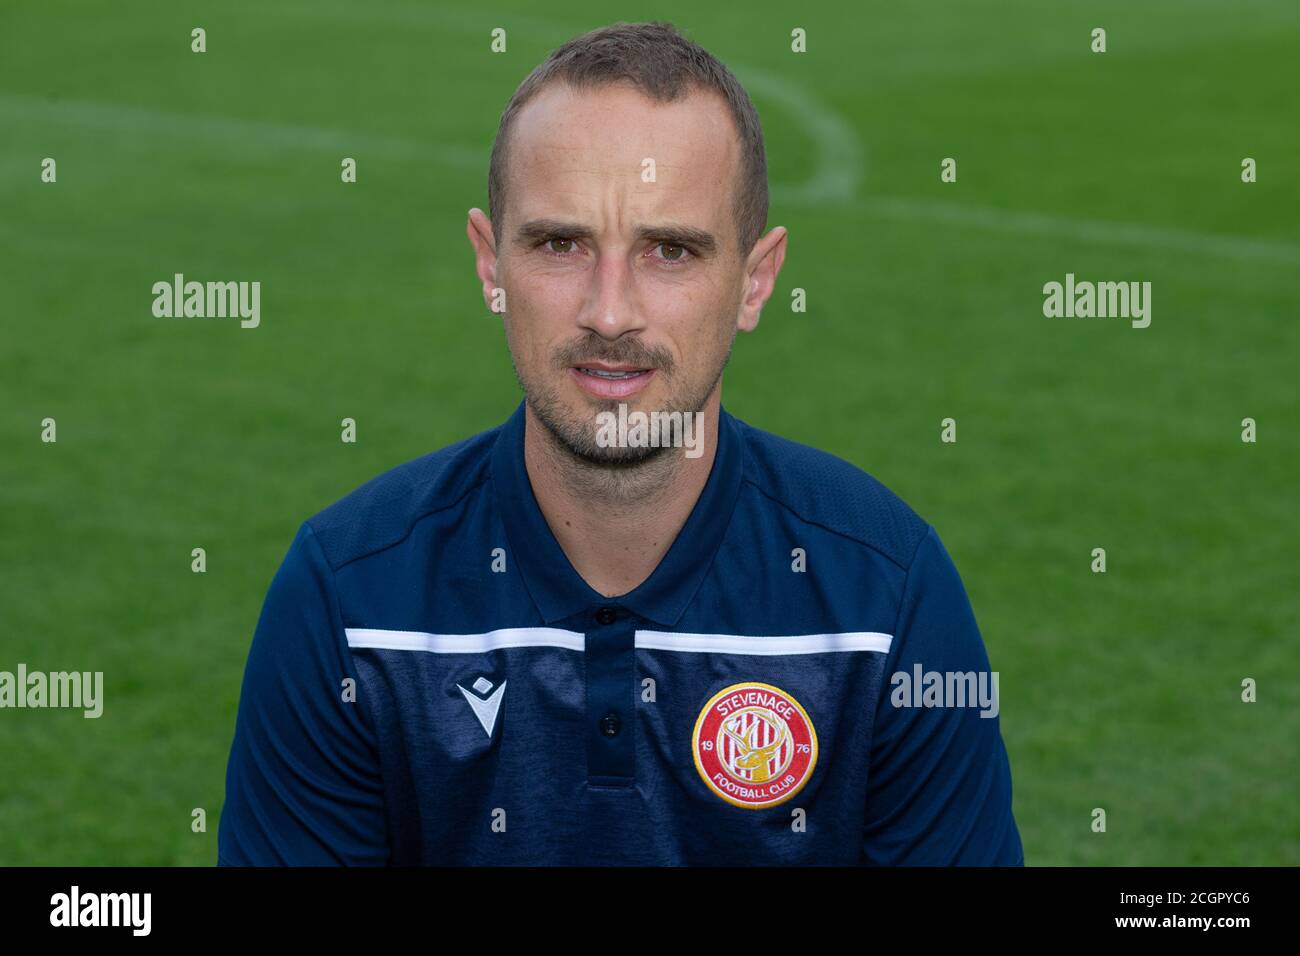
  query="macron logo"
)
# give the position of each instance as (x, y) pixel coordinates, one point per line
(485, 708)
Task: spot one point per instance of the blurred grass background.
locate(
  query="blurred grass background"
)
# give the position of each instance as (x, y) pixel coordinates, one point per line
(1119, 691)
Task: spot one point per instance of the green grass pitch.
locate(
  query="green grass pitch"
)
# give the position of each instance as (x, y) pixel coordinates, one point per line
(1119, 690)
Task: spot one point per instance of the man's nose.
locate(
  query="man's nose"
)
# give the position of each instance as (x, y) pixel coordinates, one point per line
(611, 308)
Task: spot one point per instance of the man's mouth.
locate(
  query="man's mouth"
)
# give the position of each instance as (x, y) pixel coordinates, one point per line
(605, 373)
(611, 381)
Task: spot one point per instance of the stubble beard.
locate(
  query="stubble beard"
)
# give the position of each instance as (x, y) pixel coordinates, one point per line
(611, 474)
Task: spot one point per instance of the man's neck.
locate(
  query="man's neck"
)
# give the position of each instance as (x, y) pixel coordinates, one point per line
(616, 524)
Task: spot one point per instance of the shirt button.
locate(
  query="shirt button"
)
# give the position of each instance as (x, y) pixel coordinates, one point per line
(606, 615)
(609, 725)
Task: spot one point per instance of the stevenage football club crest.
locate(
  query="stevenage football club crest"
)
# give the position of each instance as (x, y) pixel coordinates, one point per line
(754, 745)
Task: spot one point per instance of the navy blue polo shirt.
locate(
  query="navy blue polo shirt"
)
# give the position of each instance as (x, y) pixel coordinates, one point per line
(431, 682)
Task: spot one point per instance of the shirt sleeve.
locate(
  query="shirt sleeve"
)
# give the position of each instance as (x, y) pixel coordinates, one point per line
(303, 785)
(939, 789)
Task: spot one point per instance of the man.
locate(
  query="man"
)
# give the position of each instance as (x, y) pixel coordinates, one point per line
(575, 639)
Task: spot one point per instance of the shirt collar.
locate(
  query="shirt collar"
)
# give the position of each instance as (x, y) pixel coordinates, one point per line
(558, 590)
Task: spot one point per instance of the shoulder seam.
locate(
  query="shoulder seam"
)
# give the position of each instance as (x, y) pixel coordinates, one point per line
(816, 524)
(416, 519)
(369, 719)
(907, 580)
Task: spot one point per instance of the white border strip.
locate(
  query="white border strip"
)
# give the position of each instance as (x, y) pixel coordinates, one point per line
(745, 644)
(369, 638)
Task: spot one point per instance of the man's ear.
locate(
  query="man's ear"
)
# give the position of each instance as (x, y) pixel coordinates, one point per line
(479, 230)
(761, 269)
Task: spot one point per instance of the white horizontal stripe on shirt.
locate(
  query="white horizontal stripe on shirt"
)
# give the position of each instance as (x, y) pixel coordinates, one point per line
(364, 637)
(746, 644)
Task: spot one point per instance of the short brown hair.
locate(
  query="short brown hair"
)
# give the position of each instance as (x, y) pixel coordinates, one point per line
(663, 65)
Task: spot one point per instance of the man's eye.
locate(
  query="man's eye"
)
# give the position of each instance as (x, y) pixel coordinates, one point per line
(670, 251)
(673, 252)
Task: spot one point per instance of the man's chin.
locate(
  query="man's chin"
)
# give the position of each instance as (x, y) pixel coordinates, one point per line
(578, 425)
(615, 459)
(580, 443)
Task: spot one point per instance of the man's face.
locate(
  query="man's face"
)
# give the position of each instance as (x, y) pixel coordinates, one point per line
(619, 289)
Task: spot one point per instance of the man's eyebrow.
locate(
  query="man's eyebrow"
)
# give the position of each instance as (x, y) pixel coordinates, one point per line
(538, 230)
(676, 234)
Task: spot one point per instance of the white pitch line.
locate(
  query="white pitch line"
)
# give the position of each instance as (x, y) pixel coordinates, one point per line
(841, 166)
(841, 157)
(233, 133)
(1095, 231)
